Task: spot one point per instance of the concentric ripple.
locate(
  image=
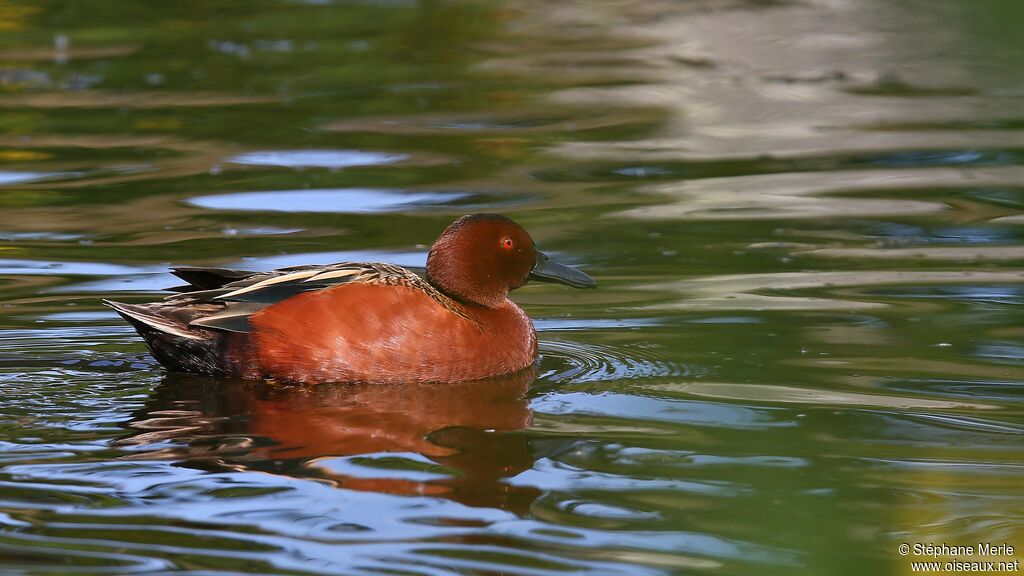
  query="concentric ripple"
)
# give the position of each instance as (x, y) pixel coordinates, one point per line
(567, 360)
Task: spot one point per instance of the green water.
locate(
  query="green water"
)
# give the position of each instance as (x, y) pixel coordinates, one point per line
(806, 219)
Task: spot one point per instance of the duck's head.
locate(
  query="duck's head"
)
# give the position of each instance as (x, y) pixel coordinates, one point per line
(480, 257)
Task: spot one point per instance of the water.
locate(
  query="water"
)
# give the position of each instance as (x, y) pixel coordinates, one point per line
(805, 219)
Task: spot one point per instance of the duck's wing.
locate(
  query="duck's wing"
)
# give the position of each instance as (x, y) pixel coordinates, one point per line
(186, 331)
(204, 279)
(251, 292)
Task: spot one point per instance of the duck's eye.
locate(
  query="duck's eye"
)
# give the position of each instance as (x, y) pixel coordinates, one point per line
(507, 243)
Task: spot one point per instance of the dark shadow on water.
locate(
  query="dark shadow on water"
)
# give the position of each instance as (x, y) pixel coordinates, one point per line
(454, 440)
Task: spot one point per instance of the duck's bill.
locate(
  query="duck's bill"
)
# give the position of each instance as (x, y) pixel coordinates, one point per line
(547, 270)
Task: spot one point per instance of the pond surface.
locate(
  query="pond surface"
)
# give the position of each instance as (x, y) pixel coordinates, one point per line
(806, 220)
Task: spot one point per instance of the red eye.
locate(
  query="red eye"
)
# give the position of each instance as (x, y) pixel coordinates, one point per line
(507, 243)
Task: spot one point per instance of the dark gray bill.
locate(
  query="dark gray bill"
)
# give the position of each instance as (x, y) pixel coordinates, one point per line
(547, 270)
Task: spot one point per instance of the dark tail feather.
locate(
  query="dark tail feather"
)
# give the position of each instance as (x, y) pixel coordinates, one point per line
(209, 278)
(173, 343)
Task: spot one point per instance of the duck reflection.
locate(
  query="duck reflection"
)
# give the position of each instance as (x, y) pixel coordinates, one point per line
(456, 440)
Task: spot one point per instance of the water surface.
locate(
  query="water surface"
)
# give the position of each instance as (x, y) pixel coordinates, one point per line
(805, 219)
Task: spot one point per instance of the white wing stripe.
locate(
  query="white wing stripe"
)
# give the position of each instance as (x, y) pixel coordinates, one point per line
(269, 282)
(343, 273)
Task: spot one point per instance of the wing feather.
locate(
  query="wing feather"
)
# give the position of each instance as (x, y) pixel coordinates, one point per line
(210, 278)
(237, 295)
(234, 317)
(262, 284)
(340, 275)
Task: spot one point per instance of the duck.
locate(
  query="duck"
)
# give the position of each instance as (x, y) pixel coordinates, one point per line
(360, 322)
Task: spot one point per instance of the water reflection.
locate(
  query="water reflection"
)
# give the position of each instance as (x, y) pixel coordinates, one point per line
(315, 158)
(351, 200)
(9, 177)
(454, 440)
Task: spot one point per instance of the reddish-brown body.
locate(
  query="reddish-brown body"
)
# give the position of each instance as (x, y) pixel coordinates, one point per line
(376, 333)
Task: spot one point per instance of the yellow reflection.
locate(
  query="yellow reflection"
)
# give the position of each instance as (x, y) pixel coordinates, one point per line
(950, 531)
(14, 14)
(22, 156)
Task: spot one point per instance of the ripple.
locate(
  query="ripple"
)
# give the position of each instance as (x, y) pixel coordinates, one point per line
(41, 267)
(649, 409)
(707, 549)
(78, 317)
(999, 391)
(315, 158)
(939, 158)
(39, 236)
(260, 231)
(45, 555)
(649, 457)
(599, 510)
(1002, 352)
(408, 466)
(559, 324)
(938, 253)
(792, 395)
(587, 362)
(225, 516)
(974, 294)
(341, 200)
(816, 194)
(574, 120)
(552, 475)
(897, 235)
(762, 291)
